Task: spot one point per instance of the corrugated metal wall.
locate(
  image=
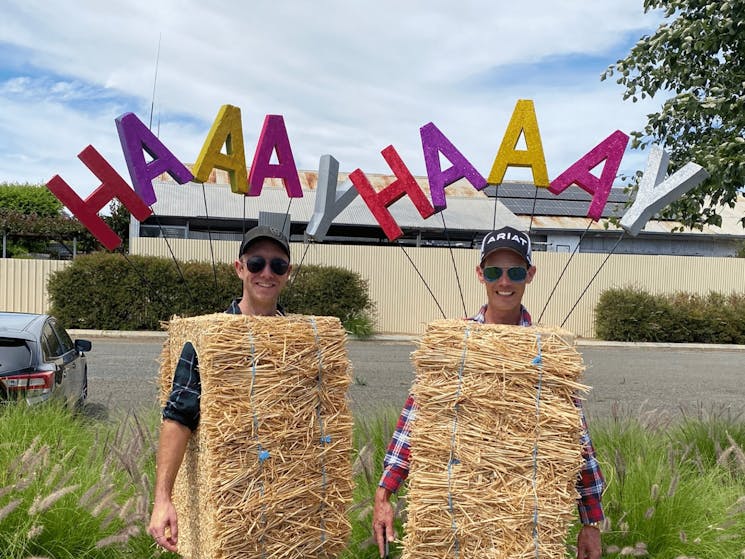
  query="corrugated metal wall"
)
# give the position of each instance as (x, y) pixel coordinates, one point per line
(23, 284)
(404, 305)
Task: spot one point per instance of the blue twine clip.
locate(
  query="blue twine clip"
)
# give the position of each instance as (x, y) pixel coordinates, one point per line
(326, 439)
(537, 360)
(263, 455)
(454, 461)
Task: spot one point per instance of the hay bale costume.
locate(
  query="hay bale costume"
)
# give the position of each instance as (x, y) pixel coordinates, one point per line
(495, 453)
(493, 437)
(267, 473)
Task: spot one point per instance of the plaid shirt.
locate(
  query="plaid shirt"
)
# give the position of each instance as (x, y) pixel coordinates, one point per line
(590, 482)
(183, 402)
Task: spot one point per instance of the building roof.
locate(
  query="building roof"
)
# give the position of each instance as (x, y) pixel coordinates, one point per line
(518, 204)
(188, 200)
(526, 199)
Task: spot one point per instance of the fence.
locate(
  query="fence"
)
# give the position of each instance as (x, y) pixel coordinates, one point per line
(23, 284)
(404, 304)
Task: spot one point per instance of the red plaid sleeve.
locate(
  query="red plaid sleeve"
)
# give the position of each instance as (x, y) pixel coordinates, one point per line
(590, 482)
(396, 462)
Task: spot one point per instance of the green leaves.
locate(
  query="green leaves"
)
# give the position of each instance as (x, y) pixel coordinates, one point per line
(697, 59)
(18, 224)
(329, 291)
(29, 199)
(634, 315)
(110, 292)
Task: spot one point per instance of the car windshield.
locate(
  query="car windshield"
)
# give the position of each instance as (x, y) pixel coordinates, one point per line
(15, 355)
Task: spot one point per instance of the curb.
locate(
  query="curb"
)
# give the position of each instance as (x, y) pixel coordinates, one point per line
(409, 338)
(143, 334)
(658, 345)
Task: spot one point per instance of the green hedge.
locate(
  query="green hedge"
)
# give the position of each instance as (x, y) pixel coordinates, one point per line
(110, 292)
(635, 315)
(330, 291)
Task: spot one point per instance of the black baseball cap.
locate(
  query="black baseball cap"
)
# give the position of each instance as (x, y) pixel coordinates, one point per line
(264, 232)
(509, 238)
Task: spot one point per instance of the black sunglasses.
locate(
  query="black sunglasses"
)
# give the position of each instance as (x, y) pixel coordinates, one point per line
(516, 273)
(256, 264)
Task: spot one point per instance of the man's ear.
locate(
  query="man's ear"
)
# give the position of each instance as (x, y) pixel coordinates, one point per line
(480, 274)
(238, 265)
(531, 274)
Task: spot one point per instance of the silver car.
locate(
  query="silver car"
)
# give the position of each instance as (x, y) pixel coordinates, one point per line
(39, 361)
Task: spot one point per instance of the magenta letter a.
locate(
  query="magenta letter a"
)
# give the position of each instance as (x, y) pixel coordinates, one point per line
(274, 137)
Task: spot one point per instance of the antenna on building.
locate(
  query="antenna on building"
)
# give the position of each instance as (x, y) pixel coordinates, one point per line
(155, 82)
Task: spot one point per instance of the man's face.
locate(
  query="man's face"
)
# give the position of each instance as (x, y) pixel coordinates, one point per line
(264, 285)
(505, 294)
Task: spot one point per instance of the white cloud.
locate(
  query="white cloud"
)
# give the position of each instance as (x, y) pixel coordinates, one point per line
(349, 77)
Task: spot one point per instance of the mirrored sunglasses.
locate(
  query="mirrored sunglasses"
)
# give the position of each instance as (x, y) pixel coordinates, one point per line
(256, 264)
(516, 273)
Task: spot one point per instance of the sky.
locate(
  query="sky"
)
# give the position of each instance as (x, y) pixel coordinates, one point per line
(350, 78)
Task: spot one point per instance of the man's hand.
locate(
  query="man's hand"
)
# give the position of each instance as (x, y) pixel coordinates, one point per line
(164, 525)
(382, 519)
(588, 543)
(171, 447)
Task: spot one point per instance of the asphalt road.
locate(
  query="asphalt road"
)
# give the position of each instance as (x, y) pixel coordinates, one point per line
(123, 376)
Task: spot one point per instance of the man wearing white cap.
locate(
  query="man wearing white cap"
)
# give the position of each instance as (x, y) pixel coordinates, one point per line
(505, 269)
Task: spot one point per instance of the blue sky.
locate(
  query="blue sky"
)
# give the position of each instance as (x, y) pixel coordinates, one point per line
(350, 78)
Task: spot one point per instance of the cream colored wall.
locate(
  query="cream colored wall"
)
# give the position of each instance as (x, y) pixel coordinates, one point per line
(23, 284)
(405, 306)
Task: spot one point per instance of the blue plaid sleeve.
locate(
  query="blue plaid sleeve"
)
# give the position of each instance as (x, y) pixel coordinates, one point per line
(183, 402)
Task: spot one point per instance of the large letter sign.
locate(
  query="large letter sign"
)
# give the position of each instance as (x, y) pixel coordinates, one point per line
(656, 192)
(135, 137)
(378, 202)
(611, 150)
(227, 131)
(523, 121)
(331, 199)
(112, 186)
(434, 143)
(274, 138)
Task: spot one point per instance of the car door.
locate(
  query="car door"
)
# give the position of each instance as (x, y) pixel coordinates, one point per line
(74, 363)
(52, 353)
(56, 356)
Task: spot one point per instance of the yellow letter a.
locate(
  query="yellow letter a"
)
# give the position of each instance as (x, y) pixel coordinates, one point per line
(228, 131)
(523, 120)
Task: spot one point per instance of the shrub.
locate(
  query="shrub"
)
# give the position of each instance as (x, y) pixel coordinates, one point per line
(108, 291)
(631, 314)
(331, 291)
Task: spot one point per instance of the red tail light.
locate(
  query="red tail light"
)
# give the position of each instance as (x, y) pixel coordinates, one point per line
(33, 384)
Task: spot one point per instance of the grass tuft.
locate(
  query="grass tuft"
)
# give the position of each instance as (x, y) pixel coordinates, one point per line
(70, 487)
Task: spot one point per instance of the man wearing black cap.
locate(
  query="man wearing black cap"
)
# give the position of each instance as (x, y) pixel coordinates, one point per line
(263, 265)
(505, 269)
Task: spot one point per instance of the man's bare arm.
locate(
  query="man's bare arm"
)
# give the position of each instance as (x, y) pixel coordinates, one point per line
(172, 443)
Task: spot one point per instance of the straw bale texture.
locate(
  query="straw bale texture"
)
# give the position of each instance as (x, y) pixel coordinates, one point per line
(267, 473)
(474, 486)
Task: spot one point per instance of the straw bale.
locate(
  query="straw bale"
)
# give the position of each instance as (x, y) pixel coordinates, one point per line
(471, 483)
(275, 385)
